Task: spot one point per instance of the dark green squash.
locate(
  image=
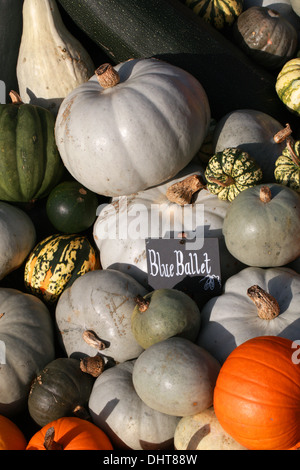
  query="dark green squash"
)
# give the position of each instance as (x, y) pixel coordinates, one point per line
(60, 389)
(55, 263)
(71, 208)
(30, 164)
(10, 37)
(168, 30)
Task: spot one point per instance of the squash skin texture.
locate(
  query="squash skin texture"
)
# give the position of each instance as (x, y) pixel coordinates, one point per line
(288, 85)
(11, 437)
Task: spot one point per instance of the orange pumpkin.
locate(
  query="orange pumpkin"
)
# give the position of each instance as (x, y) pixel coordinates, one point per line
(69, 433)
(11, 437)
(257, 394)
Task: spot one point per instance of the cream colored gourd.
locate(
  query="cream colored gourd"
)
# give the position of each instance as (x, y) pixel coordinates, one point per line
(51, 61)
(203, 431)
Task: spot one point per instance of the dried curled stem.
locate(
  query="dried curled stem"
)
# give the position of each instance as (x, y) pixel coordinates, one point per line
(92, 365)
(227, 182)
(49, 442)
(93, 340)
(289, 146)
(267, 306)
(283, 134)
(142, 303)
(182, 192)
(107, 76)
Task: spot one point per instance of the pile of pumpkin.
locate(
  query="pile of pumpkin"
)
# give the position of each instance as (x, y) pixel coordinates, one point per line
(90, 356)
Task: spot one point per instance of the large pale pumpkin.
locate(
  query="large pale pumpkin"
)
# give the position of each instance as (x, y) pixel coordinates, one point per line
(130, 424)
(17, 237)
(27, 345)
(133, 131)
(176, 377)
(256, 397)
(99, 302)
(262, 226)
(255, 302)
(127, 252)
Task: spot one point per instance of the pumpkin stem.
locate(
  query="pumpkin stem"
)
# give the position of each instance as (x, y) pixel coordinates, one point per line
(182, 192)
(49, 442)
(227, 181)
(93, 340)
(107, 76)
(265, 194)
(82, 413)
(283, 134)
(142, 303)
(267, 305)
(289, 146)
(15, 97)
(92, 365)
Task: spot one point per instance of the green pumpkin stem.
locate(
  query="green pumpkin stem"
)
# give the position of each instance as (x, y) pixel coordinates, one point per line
(107, 76)
(267, 306)
(142, 303)
(182, 192)
(49, 442)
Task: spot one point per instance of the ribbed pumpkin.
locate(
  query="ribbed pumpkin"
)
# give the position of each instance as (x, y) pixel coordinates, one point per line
(288, 85)
(263, 413)
(219, 13)
(265, 36)
(30, 165)
(231, 171)
(56, 262)
(287, 165)
(11, 437)
(69, 434)
(60, 389)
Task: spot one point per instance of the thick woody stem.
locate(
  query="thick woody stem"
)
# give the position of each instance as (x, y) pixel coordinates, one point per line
(93, 340)
(142, 303)
(92, 365)
(265, 194)
(267, 306)
(182, 192)
(49, 442)
(283, 134)
(107, 76)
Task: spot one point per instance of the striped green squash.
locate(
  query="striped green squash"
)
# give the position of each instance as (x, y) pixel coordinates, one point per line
(56, 262)
(287, 165)
(219, 13)
(30, 165)
(288, 85)
(230, 172)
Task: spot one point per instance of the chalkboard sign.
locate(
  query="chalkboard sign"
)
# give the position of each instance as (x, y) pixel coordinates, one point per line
(173, 264)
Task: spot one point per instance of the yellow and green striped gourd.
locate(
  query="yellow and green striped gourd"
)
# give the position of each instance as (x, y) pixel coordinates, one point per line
(219, 13)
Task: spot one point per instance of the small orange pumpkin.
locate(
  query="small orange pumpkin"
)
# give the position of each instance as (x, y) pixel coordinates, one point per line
(257, 394)
(11, 437)
(69, 433)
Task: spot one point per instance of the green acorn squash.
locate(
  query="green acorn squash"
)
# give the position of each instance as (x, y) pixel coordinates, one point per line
(231, 171)
(30, 165)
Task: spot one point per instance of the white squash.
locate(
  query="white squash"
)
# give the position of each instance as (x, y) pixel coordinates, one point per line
(17, 237)
(136, 130)
(51, 61)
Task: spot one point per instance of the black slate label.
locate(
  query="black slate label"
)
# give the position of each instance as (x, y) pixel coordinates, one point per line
(172, 264)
